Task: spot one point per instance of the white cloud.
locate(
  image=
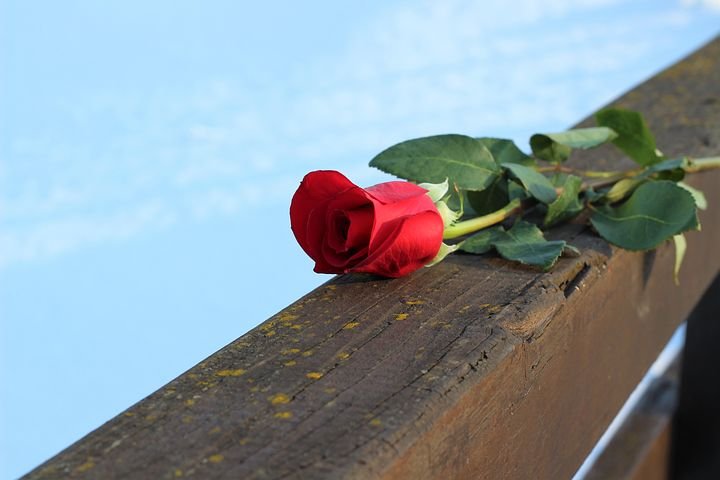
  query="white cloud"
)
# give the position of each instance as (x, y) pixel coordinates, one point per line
(712, 5)
(38, 241)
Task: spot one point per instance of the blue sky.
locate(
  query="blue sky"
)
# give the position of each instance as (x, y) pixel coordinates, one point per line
(149, 150)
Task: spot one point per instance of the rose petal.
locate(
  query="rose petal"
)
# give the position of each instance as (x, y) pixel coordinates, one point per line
(396, 200)
(313, 195)
(315, 236)
(391, 192)
(361, 223)
(339, 207)
(337, 230)
(390, 229)
(410, 244)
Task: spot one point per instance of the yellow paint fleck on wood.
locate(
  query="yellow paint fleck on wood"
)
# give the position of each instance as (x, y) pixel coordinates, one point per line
(151, 418)
(214, 430)
(351, 325)
(254, 389)
(332, 287)
(187, 418)
(314, 375)
(343, 355)
(283, 415)
(401, 316)
(268, 325)
(296, 327)
(178, 473)
(286, 317)
(231, 373)
(290, 363)
(494, 308)
(307, 353)
(129, 414)
(217, 458)
(290, 351)
(189, 402)
(329, 390)
(414, 302)
(271, 333)
(89, 463)
(243, 441)
(279, 399)
(376, 422)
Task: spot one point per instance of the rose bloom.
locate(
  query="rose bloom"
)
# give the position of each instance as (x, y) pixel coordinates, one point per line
(390, 229)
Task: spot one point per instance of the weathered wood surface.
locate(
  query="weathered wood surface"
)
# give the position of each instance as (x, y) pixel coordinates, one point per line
(640, 449)
(475, 368)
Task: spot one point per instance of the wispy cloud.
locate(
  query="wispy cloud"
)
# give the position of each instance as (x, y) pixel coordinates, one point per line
(712, 5)
(46, 239)
(224, 146)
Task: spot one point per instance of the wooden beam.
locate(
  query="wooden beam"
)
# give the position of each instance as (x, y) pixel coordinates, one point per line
(475, 368)
(640, 448)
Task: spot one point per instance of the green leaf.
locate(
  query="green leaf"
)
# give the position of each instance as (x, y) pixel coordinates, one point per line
(523, 243)
(526, 244)
(516, 191)
(655, 211)
(669, 164)
(505, 151)
(545, 148)
(491, 199)
(668, 169)
(556, 147)
(483, 241)
(465, 161)
(680, 248)
(698, 195)
(634, 137)
(535, 182)
(567, 205)
(590, 195)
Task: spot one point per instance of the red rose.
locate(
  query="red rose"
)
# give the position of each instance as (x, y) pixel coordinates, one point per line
(389, 229)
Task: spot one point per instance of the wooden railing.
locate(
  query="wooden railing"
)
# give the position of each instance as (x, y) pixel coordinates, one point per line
(475, 368)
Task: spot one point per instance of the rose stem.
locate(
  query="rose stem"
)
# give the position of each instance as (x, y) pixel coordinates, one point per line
(588, 173)
(478, 223)
(699, 164)
(696, 165)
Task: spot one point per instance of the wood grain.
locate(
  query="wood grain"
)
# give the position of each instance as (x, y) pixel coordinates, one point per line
(475, 368)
